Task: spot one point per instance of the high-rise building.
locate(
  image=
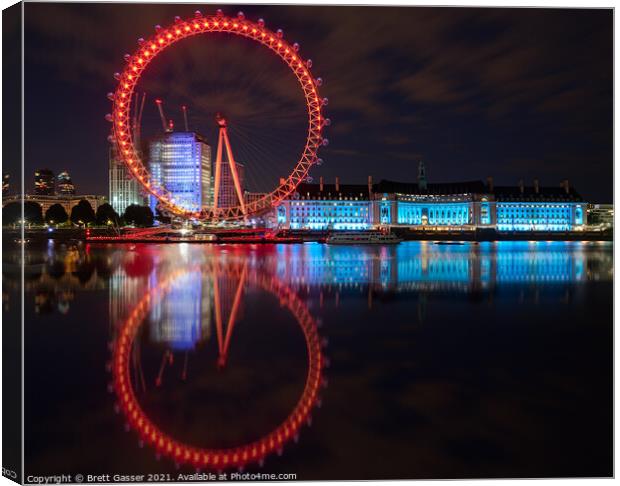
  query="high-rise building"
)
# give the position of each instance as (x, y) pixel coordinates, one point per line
(5, 183)
(64, 185)
(181, 163)
(228, 194)
(43, 182)
(124, 189)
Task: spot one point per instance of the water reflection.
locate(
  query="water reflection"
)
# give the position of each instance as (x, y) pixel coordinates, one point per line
(179, 307)
(427, 266)
(54, 273)
(216, 361)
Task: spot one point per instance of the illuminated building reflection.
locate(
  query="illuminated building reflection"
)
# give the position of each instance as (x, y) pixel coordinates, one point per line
(56, 272)
(427, 266)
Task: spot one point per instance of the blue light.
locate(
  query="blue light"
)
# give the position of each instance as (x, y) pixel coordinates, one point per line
(535, 216)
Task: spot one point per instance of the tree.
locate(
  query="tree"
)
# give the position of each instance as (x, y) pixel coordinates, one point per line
(162, 216)
(56, 214)
(82, 213)
(33, 214)
(106, 215)
(11, 213)
(138, 215)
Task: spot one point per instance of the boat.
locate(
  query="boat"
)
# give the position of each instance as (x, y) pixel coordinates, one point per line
(205, 237)
(362, 238)
(449, 243)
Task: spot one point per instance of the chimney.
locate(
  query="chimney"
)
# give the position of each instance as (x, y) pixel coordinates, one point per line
(337, 184)
(536, 186)
(490, 183)
(521, 186)
(369, 184)
(321, 183)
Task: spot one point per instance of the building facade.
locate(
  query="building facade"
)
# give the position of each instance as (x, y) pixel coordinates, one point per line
(441, 207)
(64, 184)
(181, 162)
(6, 184)
(44, 182)
(227, 196)
(601, 215)
(124, 189)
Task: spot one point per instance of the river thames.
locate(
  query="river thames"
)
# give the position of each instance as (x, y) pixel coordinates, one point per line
(415, 360)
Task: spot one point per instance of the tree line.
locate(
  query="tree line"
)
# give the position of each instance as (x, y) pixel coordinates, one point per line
(82, 214)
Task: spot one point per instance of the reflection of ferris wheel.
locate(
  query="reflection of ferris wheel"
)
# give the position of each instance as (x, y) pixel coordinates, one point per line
(209, 458)
(239, 26)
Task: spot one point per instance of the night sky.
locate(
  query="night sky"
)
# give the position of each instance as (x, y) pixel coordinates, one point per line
(509, 93)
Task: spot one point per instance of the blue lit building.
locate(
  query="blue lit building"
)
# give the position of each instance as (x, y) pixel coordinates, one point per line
(538, 209)
(181, 162)
(327, 206)
(456, 206)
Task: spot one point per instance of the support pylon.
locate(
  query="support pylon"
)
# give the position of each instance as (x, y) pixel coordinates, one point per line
(223, 342)
(224, 141)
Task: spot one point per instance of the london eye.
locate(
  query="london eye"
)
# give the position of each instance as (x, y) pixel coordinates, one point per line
(128, 149)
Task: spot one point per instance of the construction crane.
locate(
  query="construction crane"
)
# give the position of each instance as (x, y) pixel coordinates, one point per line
(167, 127)
(137, 118)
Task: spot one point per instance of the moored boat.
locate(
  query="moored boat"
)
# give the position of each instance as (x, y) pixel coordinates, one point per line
(362, 238)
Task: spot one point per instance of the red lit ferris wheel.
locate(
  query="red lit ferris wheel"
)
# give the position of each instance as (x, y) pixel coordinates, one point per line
(219, 23)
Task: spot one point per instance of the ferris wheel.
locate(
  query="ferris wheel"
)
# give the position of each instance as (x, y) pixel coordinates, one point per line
(130, 153)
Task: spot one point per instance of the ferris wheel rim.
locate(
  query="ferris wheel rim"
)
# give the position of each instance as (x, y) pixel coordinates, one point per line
(167, 37)
(214, 458)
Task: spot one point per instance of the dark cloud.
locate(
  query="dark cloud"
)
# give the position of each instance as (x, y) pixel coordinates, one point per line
(476, 92)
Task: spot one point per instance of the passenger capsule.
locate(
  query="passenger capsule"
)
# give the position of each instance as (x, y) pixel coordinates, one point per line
(279, 33)
(109, 118)
(319, 81)
(296, 47)
(197, 14)
(261, 22)
(219, 12)
(240, 15)
(309, 63)
(110, 96)
(177, 19)
(141, 41)
(325, 142)
(117, 76)
(157, 28)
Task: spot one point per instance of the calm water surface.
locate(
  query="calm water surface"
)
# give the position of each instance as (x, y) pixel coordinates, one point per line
(412, 361)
